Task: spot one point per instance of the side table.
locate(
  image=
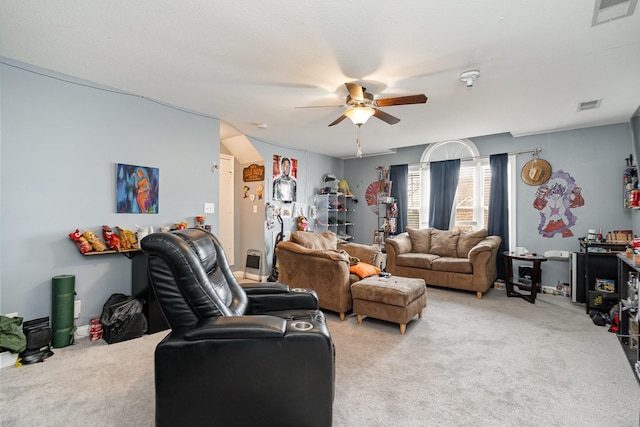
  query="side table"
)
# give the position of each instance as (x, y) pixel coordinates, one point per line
(536, 278)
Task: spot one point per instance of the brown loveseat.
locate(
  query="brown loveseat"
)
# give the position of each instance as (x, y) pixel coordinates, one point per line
(315, 260)
(452, 259)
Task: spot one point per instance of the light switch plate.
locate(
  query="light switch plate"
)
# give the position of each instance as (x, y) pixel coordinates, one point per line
(210, 208)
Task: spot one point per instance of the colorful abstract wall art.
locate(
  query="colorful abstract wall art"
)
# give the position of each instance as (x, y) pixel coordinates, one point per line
(137, 189)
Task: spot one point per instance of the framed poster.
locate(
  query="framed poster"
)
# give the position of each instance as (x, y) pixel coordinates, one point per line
(301, 210)
(285, 177)
(137, 189)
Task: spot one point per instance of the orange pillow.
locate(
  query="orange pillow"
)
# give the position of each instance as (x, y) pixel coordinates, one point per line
(362, 269)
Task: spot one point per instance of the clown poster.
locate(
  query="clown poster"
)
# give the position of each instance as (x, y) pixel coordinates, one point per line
(555, 199)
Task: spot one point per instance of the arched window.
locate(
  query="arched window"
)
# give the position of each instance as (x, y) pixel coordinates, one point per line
(472, 196)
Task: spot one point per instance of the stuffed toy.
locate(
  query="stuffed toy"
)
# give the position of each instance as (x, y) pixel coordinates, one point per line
(343, 187)
(303, 225)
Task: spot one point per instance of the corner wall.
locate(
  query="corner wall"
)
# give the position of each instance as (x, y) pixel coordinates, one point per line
(60, 144)
(594, 157)
(311, 169)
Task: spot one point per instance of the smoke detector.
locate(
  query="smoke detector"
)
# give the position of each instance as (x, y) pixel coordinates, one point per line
(469, 77)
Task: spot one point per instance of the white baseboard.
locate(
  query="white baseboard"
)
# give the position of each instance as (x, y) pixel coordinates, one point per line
(240, 275)
(9, 359)
(82, 331)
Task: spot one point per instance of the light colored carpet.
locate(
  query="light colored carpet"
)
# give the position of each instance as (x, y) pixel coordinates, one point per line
(492, 362)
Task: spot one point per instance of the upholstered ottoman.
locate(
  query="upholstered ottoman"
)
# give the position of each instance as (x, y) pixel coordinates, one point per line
(394, 299)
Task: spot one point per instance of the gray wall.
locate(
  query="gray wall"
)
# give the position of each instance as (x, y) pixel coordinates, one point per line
(594, 157)
(311, 168)
(249, 231)
(60, 144)
(635, 132)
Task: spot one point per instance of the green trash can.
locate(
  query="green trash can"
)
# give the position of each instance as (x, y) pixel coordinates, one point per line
(62, 310)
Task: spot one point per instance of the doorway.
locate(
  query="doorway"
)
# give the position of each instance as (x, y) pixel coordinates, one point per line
(226, 214)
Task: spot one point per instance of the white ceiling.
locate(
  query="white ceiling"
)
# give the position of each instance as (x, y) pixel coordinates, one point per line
(253, 61)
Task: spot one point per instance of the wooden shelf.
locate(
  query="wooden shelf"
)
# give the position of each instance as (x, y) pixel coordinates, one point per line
(129, 253)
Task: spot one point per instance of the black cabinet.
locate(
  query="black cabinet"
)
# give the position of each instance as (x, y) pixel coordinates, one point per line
(141, 288)
(628, 275)
(600, 264)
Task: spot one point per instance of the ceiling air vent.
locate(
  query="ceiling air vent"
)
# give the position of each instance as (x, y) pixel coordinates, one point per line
(589, 105)
(608, 10)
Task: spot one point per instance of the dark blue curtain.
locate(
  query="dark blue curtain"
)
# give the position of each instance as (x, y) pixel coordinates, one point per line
(399, 176)
(444, 182)
(498, 221)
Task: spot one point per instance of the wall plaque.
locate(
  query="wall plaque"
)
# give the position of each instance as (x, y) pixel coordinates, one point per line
(253, 173)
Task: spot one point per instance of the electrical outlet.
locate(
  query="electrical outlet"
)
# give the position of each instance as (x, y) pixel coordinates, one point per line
(76, 309)
(210, 208)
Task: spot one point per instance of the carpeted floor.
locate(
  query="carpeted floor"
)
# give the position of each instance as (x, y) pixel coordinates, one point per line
(492, 362)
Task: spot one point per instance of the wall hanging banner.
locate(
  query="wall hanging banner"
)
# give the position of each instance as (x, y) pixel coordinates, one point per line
(253, 173)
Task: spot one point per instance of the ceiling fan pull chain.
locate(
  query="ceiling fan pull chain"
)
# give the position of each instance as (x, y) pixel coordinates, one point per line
(359, 151)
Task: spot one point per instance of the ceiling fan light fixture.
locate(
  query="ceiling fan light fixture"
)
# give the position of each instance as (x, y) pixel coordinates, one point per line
(359, 115)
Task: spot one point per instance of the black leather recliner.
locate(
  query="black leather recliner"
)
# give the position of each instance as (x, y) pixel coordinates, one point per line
(252, 356)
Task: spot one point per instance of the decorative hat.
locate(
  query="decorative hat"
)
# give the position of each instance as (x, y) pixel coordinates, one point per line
(536, 171)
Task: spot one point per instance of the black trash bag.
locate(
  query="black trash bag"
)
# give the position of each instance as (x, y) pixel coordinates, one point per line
(122, 318)
(598, 318)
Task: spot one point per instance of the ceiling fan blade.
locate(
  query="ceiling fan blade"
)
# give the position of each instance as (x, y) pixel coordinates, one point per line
(338, 120)
(385, 117)
(402, 100)
(356, 91)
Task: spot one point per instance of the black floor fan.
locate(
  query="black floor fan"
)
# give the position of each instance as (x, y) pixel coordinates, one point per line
(274, 260)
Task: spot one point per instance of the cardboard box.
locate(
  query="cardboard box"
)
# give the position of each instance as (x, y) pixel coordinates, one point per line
(605, 285)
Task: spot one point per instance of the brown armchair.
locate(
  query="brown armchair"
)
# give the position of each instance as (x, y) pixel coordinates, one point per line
(316, 261)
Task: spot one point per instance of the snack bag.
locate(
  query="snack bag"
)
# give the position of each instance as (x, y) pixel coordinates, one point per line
(82, 243)
(131, 237)
(180, 226)
(96, 244)
(110, 238)
(124, 240)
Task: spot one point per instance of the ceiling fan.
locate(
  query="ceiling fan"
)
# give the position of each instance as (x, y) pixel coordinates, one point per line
(362, 105)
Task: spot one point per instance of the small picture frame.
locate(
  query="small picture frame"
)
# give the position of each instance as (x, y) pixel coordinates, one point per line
(378, 237)
(301, 209)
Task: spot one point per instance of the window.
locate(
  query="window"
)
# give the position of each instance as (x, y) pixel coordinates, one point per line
(472, 197)
(414, 199)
